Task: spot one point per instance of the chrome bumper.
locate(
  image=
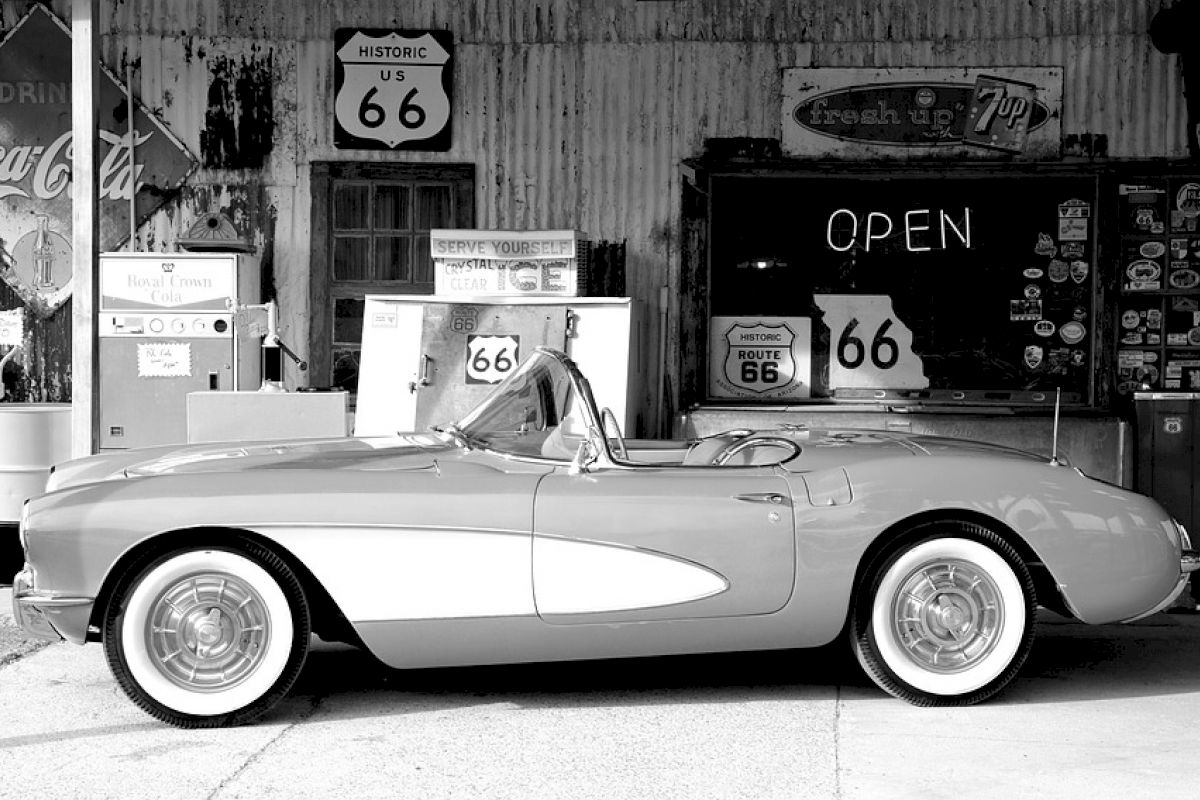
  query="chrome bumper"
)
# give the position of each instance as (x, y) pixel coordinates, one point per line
(1189, 561)
(32, 610)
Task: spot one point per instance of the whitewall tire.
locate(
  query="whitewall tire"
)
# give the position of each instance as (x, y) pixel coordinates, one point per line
(947, 619)
(206, 637)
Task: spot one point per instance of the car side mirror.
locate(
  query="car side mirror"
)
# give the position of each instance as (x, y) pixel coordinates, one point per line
(585, 456)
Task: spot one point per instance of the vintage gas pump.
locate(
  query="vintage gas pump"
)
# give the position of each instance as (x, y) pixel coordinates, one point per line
(166, 328)
(428, 359)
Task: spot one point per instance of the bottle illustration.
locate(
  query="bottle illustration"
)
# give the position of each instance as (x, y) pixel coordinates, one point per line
(43, 255)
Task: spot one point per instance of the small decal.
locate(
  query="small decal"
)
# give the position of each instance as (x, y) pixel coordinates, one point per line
(1033, 291)
(1154, 318)
(1033, 273)
(1184, 279)
(1077, 358)
(1044, 327)
(1179, 248)
(1194, 337)
(384, 319)
(1074, 208)
(1132, 338)
(1072, 250)
(1033, 356)
(1022, 310)
(1072, 332)
(464, 319)
(1172, 425)
(1152, 249)
(1079, 271)
(12, 326)
(1130, 319)
(1058, 270)
(1187, 200)
(1045, 245)
(1143, 270)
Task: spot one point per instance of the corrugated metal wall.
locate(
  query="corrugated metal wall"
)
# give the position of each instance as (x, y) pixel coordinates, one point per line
(577, 113)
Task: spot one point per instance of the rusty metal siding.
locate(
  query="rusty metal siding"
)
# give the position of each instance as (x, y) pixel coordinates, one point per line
(577, 113)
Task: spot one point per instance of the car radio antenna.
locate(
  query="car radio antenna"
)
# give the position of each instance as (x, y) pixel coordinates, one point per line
(1054, 462)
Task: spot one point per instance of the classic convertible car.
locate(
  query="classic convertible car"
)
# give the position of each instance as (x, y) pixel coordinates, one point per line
(531, 530)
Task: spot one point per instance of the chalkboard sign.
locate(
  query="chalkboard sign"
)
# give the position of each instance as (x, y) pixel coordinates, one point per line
(926, 286)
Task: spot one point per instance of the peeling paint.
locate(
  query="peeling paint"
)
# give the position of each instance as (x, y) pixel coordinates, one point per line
(239, 120)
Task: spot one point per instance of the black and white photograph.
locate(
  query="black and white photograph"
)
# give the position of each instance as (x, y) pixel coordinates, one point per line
(674, 399)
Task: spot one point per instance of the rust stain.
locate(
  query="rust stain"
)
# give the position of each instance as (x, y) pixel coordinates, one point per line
(239, 120)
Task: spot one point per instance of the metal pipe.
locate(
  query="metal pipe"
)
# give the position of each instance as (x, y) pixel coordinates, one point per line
(132, 160)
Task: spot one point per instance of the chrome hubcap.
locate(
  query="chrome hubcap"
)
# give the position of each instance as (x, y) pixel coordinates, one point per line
(947, 615)
(208, 632)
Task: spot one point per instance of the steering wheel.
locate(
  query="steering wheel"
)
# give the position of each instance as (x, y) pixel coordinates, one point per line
(760, 441)
(616, 441)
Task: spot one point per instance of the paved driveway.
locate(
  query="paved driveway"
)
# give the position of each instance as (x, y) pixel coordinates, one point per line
(1104, 712)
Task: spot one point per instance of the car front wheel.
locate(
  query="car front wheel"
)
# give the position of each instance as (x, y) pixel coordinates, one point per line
(946, 620)
(207, 637)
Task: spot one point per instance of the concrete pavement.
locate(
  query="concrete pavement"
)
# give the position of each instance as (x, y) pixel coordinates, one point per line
(1105, 712)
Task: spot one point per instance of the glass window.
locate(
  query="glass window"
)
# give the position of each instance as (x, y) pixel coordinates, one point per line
(377, 222)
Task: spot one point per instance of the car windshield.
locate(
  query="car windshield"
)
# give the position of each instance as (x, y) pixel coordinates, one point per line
(539, 411)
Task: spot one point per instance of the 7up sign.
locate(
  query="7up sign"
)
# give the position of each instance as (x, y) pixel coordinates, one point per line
(392, 89)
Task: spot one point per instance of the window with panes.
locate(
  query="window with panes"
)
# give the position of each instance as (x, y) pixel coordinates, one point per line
(377, 223)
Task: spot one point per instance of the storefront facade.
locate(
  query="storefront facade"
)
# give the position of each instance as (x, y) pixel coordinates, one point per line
(998, 266)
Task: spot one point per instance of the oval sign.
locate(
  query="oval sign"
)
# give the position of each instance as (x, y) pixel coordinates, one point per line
(878, 113)
(1033, 273)
(1184, 279)
(1043, 327)
(1152, 249)
(1143, 270)
(1072, 332)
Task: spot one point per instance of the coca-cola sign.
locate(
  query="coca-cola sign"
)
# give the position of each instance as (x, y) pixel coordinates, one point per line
(35, 160)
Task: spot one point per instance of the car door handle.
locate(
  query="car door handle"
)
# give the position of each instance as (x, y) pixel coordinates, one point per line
(774, 498)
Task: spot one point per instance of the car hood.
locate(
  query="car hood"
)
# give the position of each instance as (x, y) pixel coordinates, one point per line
(406, 451)
(825, 448)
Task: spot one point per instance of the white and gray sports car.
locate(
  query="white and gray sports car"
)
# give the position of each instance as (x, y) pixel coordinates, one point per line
(531, 530)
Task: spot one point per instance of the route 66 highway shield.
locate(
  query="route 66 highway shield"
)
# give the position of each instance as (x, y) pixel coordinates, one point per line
(392, 89)
(760, 357)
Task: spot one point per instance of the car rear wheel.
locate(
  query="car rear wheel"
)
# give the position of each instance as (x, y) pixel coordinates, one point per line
(946, 620)
(208, 637)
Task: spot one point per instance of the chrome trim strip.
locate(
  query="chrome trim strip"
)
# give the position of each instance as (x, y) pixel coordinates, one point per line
(1189, 561)
(53, 601)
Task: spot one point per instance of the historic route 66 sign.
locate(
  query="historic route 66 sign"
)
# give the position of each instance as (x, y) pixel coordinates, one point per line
(491, 358)
(392, 89)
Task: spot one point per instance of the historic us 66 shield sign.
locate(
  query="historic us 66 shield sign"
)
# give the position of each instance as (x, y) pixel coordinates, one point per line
(392, 89)
(760, 357)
